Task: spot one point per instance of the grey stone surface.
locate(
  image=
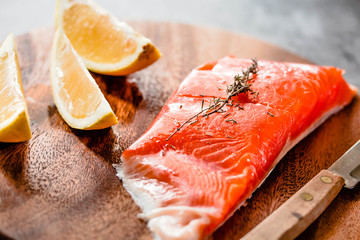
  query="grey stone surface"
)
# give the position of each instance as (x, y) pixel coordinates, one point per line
(327, 32)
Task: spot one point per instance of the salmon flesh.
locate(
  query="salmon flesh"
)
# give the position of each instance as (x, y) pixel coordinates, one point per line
(189, 184)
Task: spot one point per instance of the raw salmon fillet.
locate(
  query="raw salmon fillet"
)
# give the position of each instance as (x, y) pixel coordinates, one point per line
(189, 185)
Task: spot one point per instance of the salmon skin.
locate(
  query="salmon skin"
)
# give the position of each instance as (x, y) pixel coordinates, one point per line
(188, 185)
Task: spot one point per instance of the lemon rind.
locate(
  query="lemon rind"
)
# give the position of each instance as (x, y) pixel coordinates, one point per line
(17, 127)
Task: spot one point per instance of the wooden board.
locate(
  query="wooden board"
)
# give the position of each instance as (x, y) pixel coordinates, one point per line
(61, 183)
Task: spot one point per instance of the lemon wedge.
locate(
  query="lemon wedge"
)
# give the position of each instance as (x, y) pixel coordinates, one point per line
(78, 98)
(14, 116)
(105, 44)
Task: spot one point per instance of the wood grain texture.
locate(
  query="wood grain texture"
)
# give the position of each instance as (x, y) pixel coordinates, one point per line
(61, 183)
(300, 210)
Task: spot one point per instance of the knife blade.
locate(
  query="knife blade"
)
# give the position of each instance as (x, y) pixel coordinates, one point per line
(306, 205)
(348, 166)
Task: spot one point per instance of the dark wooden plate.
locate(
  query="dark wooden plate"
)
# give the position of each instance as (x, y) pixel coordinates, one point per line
(61, 183)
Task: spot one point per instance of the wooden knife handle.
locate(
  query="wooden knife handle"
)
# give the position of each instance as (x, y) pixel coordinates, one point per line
(298, 212)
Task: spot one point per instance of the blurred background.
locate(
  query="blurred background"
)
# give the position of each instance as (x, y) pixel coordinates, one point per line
(326, 32)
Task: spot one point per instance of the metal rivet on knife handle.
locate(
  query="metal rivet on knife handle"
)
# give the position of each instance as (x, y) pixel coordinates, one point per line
(326, 179)
(306, 196)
